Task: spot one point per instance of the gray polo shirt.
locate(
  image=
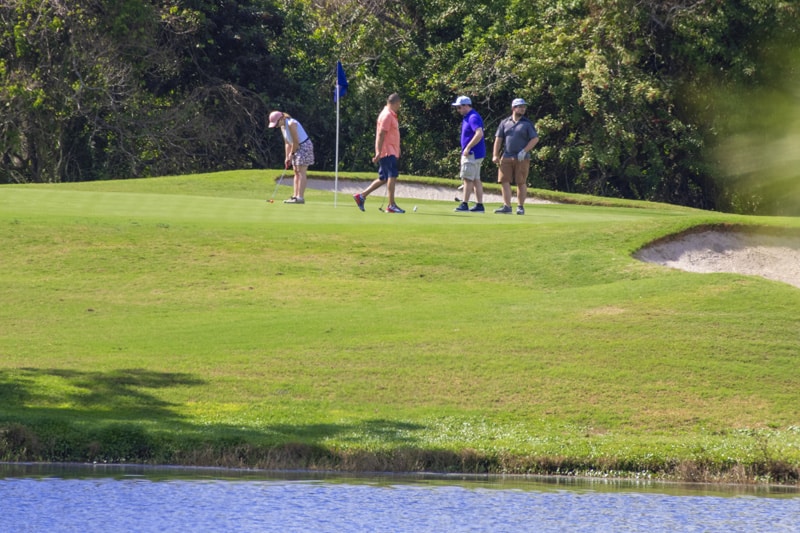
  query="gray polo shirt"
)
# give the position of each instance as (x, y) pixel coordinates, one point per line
(516, 135)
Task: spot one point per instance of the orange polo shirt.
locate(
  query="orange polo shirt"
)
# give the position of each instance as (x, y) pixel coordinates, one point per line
(387, 122)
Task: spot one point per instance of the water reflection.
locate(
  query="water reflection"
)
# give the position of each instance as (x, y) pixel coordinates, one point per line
(58, 498)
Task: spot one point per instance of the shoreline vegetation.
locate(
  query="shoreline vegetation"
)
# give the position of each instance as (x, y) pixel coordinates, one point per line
(129, 445)
(185, 321)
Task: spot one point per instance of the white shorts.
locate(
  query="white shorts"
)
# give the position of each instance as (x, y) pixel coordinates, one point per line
(470, 168)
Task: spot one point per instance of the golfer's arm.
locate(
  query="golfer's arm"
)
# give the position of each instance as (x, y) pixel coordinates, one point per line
(531, 144)
(475, 140)
(498, 148)
(295, 138)
(379, 142)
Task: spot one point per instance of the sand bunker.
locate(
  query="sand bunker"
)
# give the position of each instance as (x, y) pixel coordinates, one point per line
(409, 190)
(739, 252)
(770, 256)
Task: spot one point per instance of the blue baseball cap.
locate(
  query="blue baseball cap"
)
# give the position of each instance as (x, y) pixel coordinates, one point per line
(518, 102)
(462, 100)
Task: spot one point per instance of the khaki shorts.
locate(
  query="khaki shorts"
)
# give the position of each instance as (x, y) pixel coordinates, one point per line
(470, 168)
(513, 171)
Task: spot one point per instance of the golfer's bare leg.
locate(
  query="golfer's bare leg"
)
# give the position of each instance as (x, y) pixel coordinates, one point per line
(372, 186)
(391, 184)
(522, 193)
(300, 180)
(467, 190)
(506, 193)
(478, 191)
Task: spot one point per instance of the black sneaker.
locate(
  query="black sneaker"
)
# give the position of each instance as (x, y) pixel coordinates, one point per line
(463, 206)
(520, 210)
(505, 210)
(478, 209)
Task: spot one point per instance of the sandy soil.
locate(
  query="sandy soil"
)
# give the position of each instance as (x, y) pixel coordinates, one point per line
(409, 190)
(773, 257)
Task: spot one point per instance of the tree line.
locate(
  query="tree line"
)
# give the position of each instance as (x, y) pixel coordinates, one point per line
(632, 98)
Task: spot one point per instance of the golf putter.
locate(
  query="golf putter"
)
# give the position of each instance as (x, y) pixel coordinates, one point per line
(385, 194)
(280, 180)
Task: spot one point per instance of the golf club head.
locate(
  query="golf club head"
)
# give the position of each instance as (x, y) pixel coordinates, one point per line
(277, 185)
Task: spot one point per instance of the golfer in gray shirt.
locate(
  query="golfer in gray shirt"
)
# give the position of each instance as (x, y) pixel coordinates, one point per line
(515, 138)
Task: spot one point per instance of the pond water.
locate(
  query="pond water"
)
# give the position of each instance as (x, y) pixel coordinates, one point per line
(104, 499)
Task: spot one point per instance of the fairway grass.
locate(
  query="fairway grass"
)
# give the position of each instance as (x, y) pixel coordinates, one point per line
(185, 320)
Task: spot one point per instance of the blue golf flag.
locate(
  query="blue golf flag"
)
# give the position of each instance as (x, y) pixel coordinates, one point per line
(341, 82)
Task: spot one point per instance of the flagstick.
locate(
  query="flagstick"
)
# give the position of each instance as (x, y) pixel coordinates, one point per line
(336, 165)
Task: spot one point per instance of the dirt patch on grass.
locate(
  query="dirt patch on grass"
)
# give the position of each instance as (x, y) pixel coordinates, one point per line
(737, 250)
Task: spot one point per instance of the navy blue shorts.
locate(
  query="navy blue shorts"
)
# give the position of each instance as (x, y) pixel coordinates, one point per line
(387, 167)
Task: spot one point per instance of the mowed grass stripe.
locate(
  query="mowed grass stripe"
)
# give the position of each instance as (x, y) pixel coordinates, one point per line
(320, 208)
(166, 318)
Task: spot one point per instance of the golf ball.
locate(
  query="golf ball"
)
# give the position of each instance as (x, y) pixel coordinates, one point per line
(415, 209)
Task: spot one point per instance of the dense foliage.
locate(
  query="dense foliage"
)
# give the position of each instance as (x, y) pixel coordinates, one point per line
(633, 98)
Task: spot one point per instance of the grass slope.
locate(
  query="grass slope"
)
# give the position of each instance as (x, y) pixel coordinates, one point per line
(185, 320)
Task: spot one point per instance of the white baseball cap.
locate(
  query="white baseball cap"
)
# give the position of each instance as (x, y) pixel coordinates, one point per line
(518, 102)
(462, 100)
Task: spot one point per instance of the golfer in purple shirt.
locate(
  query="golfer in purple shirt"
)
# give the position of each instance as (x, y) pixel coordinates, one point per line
(473, 151)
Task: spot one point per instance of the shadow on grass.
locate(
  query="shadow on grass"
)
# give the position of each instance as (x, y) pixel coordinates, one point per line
(124, 392)
(58, 415)
(68, 415)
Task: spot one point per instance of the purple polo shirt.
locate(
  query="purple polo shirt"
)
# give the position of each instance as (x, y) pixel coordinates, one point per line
(469, 125)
